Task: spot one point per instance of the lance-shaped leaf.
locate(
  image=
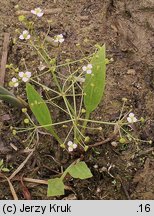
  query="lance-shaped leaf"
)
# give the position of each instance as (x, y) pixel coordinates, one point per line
(7, 96)
(80, 170)
(39, 108)
(95, 82)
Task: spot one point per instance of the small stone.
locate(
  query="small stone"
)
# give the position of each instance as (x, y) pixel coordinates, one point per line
(103, 169)
(131, 72)
(98, 190)
(124, 99)
(100, 128)
(96, 166)
(70, 197)
(114, 144)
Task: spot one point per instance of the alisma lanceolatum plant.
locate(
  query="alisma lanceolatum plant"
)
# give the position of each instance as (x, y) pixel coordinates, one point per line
(80, 91)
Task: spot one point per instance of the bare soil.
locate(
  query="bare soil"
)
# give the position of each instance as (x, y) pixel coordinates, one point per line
(126, 27)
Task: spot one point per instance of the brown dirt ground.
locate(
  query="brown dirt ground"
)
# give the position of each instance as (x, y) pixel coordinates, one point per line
(126, 27)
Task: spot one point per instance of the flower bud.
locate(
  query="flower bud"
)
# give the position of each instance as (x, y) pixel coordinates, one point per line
(142, 120)
(122, 140)
(83, 111)
(87, 139)
(21, 18)
(14, 132)
(26, 121)
(24, 110)
(85, 148)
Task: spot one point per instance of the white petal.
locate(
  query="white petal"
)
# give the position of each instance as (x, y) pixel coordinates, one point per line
(61, 40)
(16, 84)
(25, 32)
(129, 119)
(28, 74)
(38, 9)
(131, 115)
(56, 40)
(25, 79)
(69, 143)
(14, 79)
(28, 36)
(33, 12)
(40, 14)
(74, 146)
(134, 119)
(84, 68)
(70, 149)
(21, 74)
(80, 79)
(21, 37)
(89, 66)
(89, 72)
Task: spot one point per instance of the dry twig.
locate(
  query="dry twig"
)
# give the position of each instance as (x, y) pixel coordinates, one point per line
(38, 181)
(15, 197)
(21, 165)
(4, 57)
(47, 11)
(112, 137)
(144, 152)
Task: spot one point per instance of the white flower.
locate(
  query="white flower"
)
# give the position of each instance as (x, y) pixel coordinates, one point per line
(25, 35)
(131, 118)
(87, 69)
(37, 11)
(59, 38)
(71, 146)
(14, 82)
(25, 76)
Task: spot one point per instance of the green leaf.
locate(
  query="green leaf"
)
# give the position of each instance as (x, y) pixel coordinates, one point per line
(5, 169)
(95, 82)
(39, 108)
(7, 96)
(1, 162)
(55, 187)
(4, 91)
(80, 170)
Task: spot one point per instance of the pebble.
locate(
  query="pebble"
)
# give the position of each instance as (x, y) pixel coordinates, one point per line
(131, 72)
(70, 197)
(95, 166)
(114, 144)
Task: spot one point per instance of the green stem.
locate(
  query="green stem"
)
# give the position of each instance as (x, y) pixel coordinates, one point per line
(100, 122)
(85, 122)
(67, 170)
(70, 109)
(58, 123)
(45, 57)
(75, 114)
(73, 62)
